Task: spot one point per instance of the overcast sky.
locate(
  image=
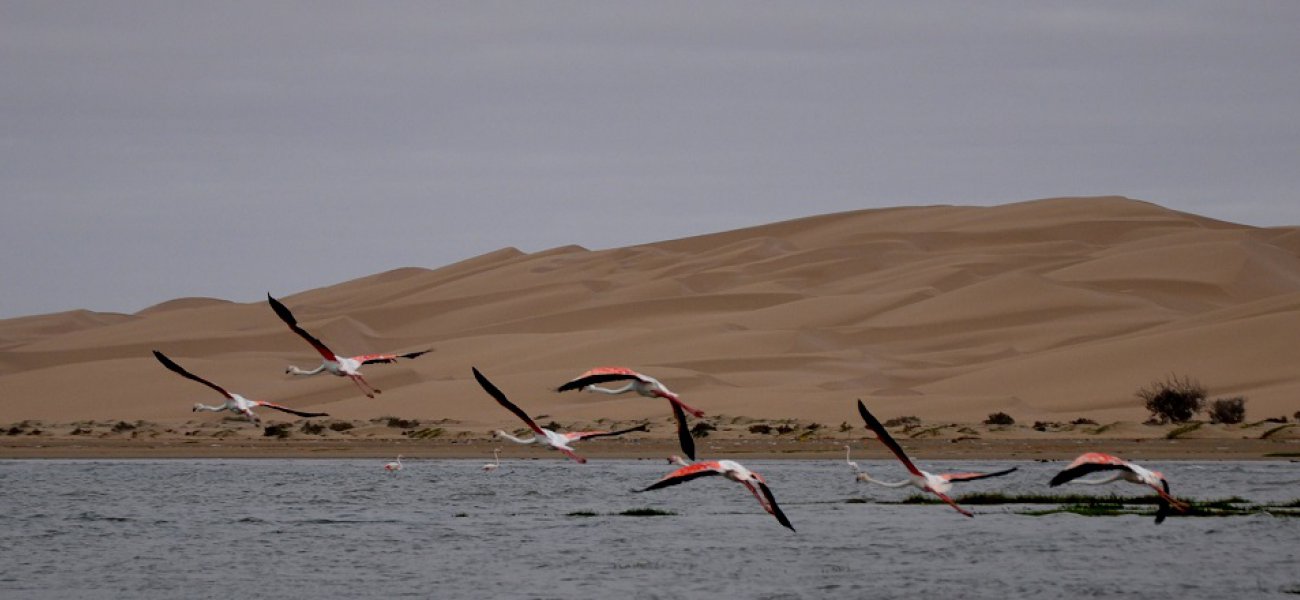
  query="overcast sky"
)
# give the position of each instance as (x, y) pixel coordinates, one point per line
(156, 150)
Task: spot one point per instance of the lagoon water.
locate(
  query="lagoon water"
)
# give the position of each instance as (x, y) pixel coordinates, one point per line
(445, 529)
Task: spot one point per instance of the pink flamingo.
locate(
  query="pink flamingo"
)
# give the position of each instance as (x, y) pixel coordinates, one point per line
(557, 441)
(643, 385)
(731, 470)
(938, 485)
(234, 402)
(342, 366)
(496, 461)
(395, 466)
(1092, 462)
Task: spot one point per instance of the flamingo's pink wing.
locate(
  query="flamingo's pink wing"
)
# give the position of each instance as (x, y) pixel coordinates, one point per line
(600, 375)
(974, 476)
(687, 473)
(1089, 463)
(883, 435)
(283, 312)
(503, 401)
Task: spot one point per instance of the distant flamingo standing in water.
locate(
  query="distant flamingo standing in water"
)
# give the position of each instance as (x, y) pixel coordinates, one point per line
(1092, 462)
(234, 402)
(731, 470)
(557, 441)
(938, 485)
(643, 385)
(341, 366)
(395, 466)
(496, 461)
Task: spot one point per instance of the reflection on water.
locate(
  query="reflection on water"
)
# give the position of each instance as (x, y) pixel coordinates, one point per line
(444, 528)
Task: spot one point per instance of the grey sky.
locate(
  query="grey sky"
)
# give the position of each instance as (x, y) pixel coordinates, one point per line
(155, 150)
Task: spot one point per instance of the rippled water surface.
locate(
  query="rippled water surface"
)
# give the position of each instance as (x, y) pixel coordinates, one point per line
(444, 528)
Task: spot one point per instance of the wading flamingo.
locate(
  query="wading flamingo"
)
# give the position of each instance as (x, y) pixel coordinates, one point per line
(643, 385)
(927, 482)
(731, 470)
(496, 461)
(1092, 462)
(558, 441)
(395, 466)
(234, 402)
(342, 366)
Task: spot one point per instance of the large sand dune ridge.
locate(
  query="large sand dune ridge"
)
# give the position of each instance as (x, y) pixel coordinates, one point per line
(1050, 309)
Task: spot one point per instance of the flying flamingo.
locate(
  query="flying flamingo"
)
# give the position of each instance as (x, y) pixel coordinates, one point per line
(926, 482)
(234, 402)
(558, 441)
(395, 466)
(644, 385)
(865, 477)
(731, 470)
(496, 461)
(1095, 461)
(342, 366)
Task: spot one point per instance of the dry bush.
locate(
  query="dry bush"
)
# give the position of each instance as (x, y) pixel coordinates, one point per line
(999, 418)
(1228, 410)
(1173, 400)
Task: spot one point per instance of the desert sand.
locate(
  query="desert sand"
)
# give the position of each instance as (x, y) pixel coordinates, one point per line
(1052, 311)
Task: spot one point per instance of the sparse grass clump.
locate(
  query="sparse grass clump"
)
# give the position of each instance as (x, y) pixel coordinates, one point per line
(760, 428)
(397, 423)
(905, 422)
(1173, 400)
(1083, 421)
(702, 429)
(1181, 431)
(311, 428)
(427, 433)
(340, 426)
(123, 426)
(647, 512)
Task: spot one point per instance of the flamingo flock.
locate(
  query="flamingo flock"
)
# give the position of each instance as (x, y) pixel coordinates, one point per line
(686, 469)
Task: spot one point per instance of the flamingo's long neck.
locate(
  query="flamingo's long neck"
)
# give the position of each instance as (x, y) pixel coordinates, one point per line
(889, 484)
(296, 371)
(515, 439)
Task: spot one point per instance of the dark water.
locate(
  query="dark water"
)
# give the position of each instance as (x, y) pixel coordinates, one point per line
(445, 529)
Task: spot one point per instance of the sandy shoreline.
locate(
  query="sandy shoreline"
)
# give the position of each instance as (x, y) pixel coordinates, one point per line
(1062, 447)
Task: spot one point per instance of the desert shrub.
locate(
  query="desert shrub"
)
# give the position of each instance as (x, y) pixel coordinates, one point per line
(311, 428)
(403, 423)
(122, 426)
(844, 427)
(760, 428)
(15, 430)
(340, 426)
(1045, 425)
(279, 430)
(999, 418)
(1083, 421)
(1228, 410)
(702, 429)
(903, 422)
(784, 428)
(553, 426)
(1173, 400)
(1296, 416)
(80, 431)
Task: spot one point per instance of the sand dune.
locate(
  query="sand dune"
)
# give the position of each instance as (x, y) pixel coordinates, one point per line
(1048, 310)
